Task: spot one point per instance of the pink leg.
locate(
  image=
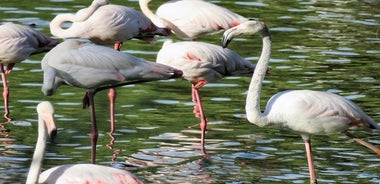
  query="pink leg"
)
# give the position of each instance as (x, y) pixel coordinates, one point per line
(313, 178)
(112, 96)
(5, 93)
(360, 141)
(94, 129)
(199, 113)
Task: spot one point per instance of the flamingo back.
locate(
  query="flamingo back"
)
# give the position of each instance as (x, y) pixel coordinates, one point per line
(315, 112)
(198, 17)
(203, 61)
(87, 173)
(17, 42)
(91, 66)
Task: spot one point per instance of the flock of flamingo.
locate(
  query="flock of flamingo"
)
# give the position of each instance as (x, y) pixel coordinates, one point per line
(96, 66)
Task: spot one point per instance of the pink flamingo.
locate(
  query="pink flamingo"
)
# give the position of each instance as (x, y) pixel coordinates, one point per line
(202, 63)
(304, 111)
(106, 24)
(71, 173)
(190, 19)
(93, 68)
(17, 42)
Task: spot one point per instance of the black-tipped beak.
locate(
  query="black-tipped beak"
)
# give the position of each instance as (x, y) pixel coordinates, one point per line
(225, 41)
(177, 74)
(53, 135)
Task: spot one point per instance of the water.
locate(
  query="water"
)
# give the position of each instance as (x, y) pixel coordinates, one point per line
(321, 45)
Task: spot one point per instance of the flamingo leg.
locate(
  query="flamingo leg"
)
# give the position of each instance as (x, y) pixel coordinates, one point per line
(94, 128)
(199, 112)
(5, 93)
(362, 142)
(313, 178)
(112, 96)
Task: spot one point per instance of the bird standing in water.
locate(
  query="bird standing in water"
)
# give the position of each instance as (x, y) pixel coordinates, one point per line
(202, 63)
(93, 68)
(304, 111)
(18, 42)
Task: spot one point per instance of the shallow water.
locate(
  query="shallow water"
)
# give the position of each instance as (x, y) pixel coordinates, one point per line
(321, 45)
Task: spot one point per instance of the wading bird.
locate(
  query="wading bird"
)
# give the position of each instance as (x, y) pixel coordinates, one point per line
(304, 111)
(106, 24)
(202, 63)
(93, 68)
(17, 42)
(190, 19)
(71, 173)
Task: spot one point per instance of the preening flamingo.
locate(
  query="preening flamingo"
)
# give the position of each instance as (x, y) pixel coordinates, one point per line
(190, 19)
(93, 67)
(71, 173)
(17, 42)
(202, 63)
(107, 24)
(304, 111)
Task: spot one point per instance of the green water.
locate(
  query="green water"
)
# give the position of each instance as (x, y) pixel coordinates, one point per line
(322, 45)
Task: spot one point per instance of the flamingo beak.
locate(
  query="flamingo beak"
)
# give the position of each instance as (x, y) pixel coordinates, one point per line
(50, 125)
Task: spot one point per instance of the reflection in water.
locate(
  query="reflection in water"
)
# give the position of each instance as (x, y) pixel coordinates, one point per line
(315, 46)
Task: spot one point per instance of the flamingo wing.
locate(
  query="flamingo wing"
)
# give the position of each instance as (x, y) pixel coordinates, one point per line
(326, 112)
(197, 17)
(87, 173)
(203, 61)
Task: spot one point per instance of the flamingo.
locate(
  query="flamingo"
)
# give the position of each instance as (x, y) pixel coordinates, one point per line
(190, 19)
(306, 112)
(17, 42)
(70, 173)
(93, 68)
(107, 24)
(202, 63)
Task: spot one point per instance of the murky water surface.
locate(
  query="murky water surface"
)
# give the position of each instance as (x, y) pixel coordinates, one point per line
(322, 45)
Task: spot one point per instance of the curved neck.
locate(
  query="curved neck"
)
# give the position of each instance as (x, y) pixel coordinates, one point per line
(81, 16)
(159, 21)
(252, 107)
(38, 156)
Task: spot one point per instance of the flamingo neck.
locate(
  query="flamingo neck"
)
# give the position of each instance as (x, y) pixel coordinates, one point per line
(81, 16)
(35, 166)
(159, 21)
(252, 107)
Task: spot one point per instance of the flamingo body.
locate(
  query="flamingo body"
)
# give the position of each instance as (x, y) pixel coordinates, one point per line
(105, 24)
(304, 111)
(71, 173)
(17, 42)
(90, 66)
(190, 19)
(87, 173)
(202, 61)
(315, 112)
